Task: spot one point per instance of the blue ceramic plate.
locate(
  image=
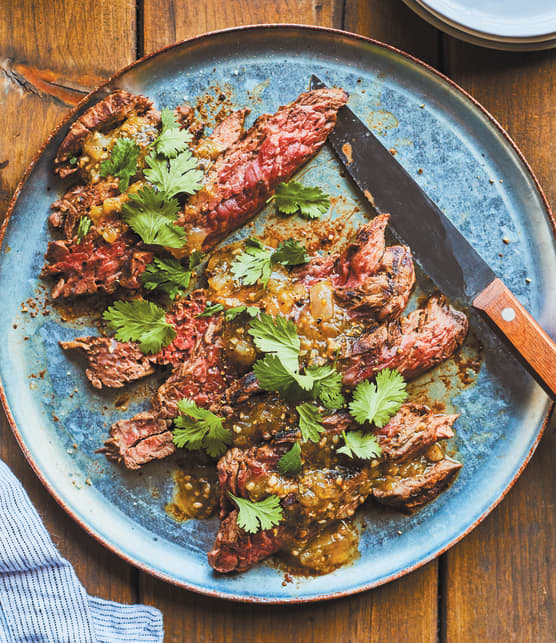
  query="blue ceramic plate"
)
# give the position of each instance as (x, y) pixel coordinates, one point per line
(469, 167)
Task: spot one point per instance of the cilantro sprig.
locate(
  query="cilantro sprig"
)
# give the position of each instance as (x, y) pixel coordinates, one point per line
(231, 313)
(254, 516)
(167, 275)
(211, 309)
(290, 463)
(83, 228)
(122, 162)
(358, 444)
(310, 422)
(172, 139)
(177, 175)
(279, 370)
(277, 336)
(378, 402)
(292, 197)
(140, 321)
(151, 215)
(199, 428)
(255, 262)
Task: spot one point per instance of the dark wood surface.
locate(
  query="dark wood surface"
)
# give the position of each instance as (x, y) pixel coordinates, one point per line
(495, 585)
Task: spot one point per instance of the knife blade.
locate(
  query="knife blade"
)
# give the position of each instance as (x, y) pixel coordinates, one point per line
(442, 251)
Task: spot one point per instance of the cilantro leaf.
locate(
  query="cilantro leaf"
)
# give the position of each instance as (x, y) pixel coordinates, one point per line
(290, 463)
(122, 162)
(290, 253)
(211, 309)
(359, 444)
(327, 387)
(140, 321)
(172, 139)
(255, 262)
(272, 375)
(236, 311)
(378, 402)
(278, 336)
(310, 422)
(311, 202)
(83, 228)
(254, 516)
(198, 428)
(151, 215)
(174, 176)
(195, 259)
(168, 275)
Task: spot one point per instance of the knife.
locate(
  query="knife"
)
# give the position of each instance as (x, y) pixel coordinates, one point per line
(441, 250)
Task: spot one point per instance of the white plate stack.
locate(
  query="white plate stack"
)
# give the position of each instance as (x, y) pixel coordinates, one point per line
(514, 25)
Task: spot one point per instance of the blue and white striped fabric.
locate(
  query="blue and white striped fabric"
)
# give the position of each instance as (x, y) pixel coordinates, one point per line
(41, 598)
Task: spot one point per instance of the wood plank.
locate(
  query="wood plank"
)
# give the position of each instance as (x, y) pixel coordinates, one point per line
(402, 611)
(167, 21)
(51, 53)
(500, 584)
(47, 65)
(395, 24)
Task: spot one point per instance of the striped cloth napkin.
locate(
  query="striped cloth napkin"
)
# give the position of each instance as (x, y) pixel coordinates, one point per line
(41, 598)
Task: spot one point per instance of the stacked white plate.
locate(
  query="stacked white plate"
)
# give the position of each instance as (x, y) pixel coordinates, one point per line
(515, 25)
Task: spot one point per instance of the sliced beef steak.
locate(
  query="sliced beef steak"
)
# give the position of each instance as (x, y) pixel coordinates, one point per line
(139, 440)
(95, 265)
(77, 202)
(111, 363)
(104, 115)
(240, 181)
(412, 345)
(412, 492)
(369, 279)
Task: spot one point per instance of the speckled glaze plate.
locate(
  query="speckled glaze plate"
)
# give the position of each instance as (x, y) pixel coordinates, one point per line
(465, 162)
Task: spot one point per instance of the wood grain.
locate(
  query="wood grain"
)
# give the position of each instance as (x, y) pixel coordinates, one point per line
(528, 338)
(46, 65)
(402, 611)
(499, 582)
(395, 24)
(167, 21)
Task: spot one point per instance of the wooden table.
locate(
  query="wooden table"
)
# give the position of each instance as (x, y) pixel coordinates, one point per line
(496, 585)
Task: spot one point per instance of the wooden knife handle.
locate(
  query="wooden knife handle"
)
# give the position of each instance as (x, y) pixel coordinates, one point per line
(528, 338)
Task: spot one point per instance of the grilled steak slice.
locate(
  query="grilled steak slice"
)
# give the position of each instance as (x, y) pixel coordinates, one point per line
(330, 489)
(411, 430)
(111, 363)
(236, 551)
(77, 202)
(95, 266)
(412, 492)
(104, 115)
(224, 135)
(141, 439)
(114, 364)
(368, 278)
(240, 181)
(413, 344)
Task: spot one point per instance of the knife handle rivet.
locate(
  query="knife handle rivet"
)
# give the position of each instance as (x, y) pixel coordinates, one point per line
(508, 314)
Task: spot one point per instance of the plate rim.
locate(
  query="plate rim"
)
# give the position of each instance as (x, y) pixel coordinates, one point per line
(3, 398)
(443, 14)
(479, 38)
